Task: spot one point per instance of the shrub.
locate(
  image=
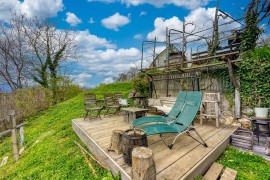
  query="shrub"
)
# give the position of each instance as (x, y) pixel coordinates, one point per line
(66, 89)
(141, 84)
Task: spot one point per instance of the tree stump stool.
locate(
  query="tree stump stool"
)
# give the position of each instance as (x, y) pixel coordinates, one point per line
(143, 165)
(116, 141)
(267, 147)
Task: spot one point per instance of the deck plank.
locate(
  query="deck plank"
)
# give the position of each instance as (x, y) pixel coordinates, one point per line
(189, 160)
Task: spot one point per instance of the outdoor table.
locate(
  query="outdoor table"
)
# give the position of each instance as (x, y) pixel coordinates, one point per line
(133, 113)
(256, 127)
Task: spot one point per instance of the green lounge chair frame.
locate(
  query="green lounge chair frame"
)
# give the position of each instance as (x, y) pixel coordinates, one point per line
(182, 123)
(111, 103)
(91, 104)
(174, 112)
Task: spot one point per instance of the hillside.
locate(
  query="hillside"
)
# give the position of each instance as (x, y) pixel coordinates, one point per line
(49, 140)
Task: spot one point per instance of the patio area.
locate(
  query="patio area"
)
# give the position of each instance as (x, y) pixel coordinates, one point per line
(186, 160)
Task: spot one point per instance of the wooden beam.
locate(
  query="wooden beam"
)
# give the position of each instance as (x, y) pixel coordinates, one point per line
(230, 68)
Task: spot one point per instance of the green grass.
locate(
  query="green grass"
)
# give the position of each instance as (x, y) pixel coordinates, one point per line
(248, 165)
(49, 140)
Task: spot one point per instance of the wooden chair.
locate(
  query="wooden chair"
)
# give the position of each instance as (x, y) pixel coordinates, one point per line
(111, 103)
(92, 105)
(118, 97)
(210, 107)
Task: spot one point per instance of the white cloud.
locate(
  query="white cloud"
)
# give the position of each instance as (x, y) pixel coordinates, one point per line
(91, 20)
(160, 25)
(82, 79)
(115, 21)
(101, 57)
(72, 19)
(143, 13)
(138, 36)
(6, 6)
(201, 18)
(88, 42)
(189, 4)
(107, 80)
(38, 8)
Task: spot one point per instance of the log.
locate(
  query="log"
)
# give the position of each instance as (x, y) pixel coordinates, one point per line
(4, 161)
(143, 165)
(267, 147)
(116, 141)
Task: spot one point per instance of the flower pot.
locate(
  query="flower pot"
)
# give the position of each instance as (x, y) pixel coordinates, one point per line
(261, 112)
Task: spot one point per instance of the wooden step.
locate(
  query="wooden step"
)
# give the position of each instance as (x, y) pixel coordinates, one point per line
(214, 172)
(229, 174)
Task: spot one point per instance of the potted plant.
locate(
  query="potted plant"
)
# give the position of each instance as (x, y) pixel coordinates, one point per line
(261, 112)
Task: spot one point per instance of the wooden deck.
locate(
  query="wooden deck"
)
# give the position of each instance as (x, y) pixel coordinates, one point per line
(186, 160)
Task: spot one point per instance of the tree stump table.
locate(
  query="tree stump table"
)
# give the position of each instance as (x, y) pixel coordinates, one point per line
(133, 113)
(116, 141)
(143, 165)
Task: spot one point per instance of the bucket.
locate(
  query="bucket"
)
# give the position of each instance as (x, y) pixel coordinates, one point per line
(261, 112)
(132, 138)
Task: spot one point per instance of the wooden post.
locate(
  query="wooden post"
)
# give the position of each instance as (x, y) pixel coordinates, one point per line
(267, 147)
(21, 136)
(14, 135)
(237, 107)
(116, 141)
(143, 165)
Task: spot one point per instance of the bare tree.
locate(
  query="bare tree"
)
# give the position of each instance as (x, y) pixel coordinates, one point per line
(46, 47)
(13, 55)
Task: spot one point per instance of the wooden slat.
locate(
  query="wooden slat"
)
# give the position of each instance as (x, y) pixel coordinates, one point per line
(229, 174)
(214, 172)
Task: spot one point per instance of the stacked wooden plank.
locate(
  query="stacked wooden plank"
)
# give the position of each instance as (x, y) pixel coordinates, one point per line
(242, 138)
(216, 172)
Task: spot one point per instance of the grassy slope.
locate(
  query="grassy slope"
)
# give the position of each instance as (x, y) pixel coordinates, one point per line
(248, 165)
(50, 150)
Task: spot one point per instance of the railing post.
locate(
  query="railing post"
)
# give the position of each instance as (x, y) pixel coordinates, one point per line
(14, 135)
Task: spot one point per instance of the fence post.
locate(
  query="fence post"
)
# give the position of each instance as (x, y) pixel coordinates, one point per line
(14, 135)
(21, 136)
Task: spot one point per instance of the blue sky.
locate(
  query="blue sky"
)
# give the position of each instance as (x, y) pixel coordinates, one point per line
(110, 32)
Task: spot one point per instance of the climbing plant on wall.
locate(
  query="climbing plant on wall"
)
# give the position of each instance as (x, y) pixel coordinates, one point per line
(254, 72)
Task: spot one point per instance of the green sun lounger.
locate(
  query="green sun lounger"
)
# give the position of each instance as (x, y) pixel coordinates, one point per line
(174, 112)
(182, 123)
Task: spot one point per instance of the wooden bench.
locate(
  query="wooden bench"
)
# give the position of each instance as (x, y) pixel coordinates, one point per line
(163, 104)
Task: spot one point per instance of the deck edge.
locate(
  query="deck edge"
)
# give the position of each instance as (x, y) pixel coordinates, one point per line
(204, 164)
(100, 154)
